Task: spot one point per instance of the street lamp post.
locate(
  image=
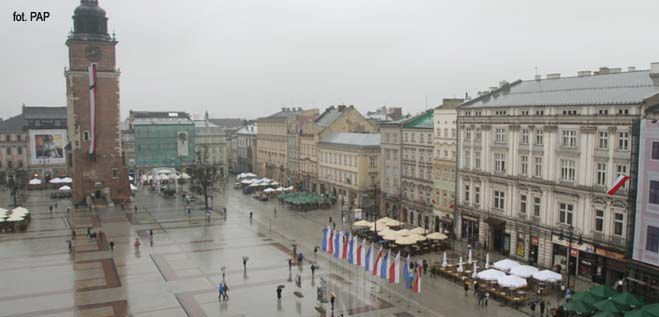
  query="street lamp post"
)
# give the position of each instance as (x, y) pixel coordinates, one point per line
(571, 233)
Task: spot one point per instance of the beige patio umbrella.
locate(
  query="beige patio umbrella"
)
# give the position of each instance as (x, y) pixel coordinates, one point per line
(437, 236)
(384, 220)
(391, 236)
(418, 230)
(405, 241)
(393, 223)
(417, 237)
(382, 233)
(362, 224)
(404, 232)
(380, 227)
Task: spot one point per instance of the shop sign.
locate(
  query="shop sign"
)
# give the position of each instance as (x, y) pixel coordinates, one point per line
(535, 240)
(520, 244)
(586, 247)
(609, 254)
(574, 252)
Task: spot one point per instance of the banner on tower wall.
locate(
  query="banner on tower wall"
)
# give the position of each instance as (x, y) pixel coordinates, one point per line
(182, 145)
(47, 146)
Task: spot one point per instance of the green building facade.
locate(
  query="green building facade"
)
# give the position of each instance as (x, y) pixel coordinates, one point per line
(163, 142)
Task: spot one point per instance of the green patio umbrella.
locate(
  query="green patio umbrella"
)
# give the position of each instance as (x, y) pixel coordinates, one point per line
(586, 296)
(609, 306)
(639, 313)
(607, 314)
(579, 307)
(627, 299)
(603, 291)
(652, 309)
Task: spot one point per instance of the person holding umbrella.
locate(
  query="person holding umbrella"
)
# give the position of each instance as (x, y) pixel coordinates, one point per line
(245, 258)
(279, 288)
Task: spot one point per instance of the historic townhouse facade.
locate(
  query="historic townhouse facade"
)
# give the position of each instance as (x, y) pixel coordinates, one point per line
(349, 167)
(333, 120)
(212, 138)
(272, 143)
(535, 160)
(416, 177)
(443, 164)
(391, 138)
(246, 149)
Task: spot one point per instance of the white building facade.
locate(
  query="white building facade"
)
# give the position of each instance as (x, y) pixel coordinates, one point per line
(535, 160)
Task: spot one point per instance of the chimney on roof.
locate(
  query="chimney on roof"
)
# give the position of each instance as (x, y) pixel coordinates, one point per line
(584, 73)
(631, 69)
(342, 108)
(538, 77)
(554, 76)
(502, 83)
(604, 71)
(615, 70)
(654, 70)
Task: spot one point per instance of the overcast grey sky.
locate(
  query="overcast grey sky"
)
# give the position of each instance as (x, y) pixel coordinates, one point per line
(248, 58)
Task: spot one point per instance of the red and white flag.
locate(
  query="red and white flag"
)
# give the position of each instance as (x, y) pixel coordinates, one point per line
(394, 270)
(416, 286)
(92, 108)
(620, 181)
(376, 264)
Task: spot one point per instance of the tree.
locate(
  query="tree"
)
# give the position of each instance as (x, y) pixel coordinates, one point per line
(204, 174)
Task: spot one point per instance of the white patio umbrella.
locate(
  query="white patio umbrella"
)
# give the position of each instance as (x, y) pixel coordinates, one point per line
(67, 180)
(475, 271)
(35, 181)
(362, 224)
(490, 275)
(130, 178)
(133, 187)
(393, 223)
(404, 232)
(460, 268)
(547, 276)
(511, 281)
(56, 180)
(469, 257)
(65, 188)
(418, 230)
(524, 271)
(269, 190)
(505, 265)
(444, 261)
(417, 237)
(405, 241)
(437, 236)
(487, 261)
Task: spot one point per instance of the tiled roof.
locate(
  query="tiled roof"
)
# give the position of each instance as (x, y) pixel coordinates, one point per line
(44, 112)
(229, 123)
(422, 121)
(284, 114)
(355, 139)
(617, 88)
(15, 123)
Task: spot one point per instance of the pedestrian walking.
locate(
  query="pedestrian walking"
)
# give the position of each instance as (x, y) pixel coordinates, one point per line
(55, 205)
(73, 234)
(313, 269)
(151, 233)
(111, 245)
(220, 290)
(135, 208)
(480, 296)
(188, 210)
(466, 288)
(137, 244)
(542, 308)
(425, 266)
(251, 215)
(315, 252)
(70, 246)
(330, 219)
(476, 288)
(226, 291)
(275, 210)
(487, 296)
(334, 225)
(51, 208)
(245, 263)
(332, 300)
(68, 210)
(225, 210)
(89, 232)
(532, 309)
(278, 293)
(290, 264)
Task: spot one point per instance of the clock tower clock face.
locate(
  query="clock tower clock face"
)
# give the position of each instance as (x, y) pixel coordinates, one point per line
(93, 53)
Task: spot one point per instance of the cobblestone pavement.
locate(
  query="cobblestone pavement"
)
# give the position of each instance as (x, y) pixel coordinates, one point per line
(178, 273)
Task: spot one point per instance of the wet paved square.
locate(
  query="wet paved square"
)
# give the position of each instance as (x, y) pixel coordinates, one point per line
(178, 274)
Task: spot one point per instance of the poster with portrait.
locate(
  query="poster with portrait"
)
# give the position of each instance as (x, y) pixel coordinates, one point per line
(182, 143)
(47, 146)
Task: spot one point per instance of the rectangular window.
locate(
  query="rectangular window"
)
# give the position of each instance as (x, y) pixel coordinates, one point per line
(652, 239)
(568, 170)
(467, 136)
(467, 159)
(603, 139)
(622, 170)
(499, 199)
(601, 174)
(372, 162)
(599, 220)
(500, 135)
(536, 206)
(500, 162)
(525, 136)
(569, 138)
(654, 192)
(623, 141)
(477, 195)
(19, 150)
(115, 173)
(479, 135)
(522, 204)
(538, 137)
(655, 150)
(565, 213)
(538, 167)
(8, 151)
(467, 193)
(477, 159)
(524, 165)
(85, 136)
(618, 223)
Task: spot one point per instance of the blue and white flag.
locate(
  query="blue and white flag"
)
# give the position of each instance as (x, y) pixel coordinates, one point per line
(351, 246)
(369, 258)
(323, 244)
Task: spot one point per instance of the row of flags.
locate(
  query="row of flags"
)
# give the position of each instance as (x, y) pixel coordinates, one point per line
(381, 263)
